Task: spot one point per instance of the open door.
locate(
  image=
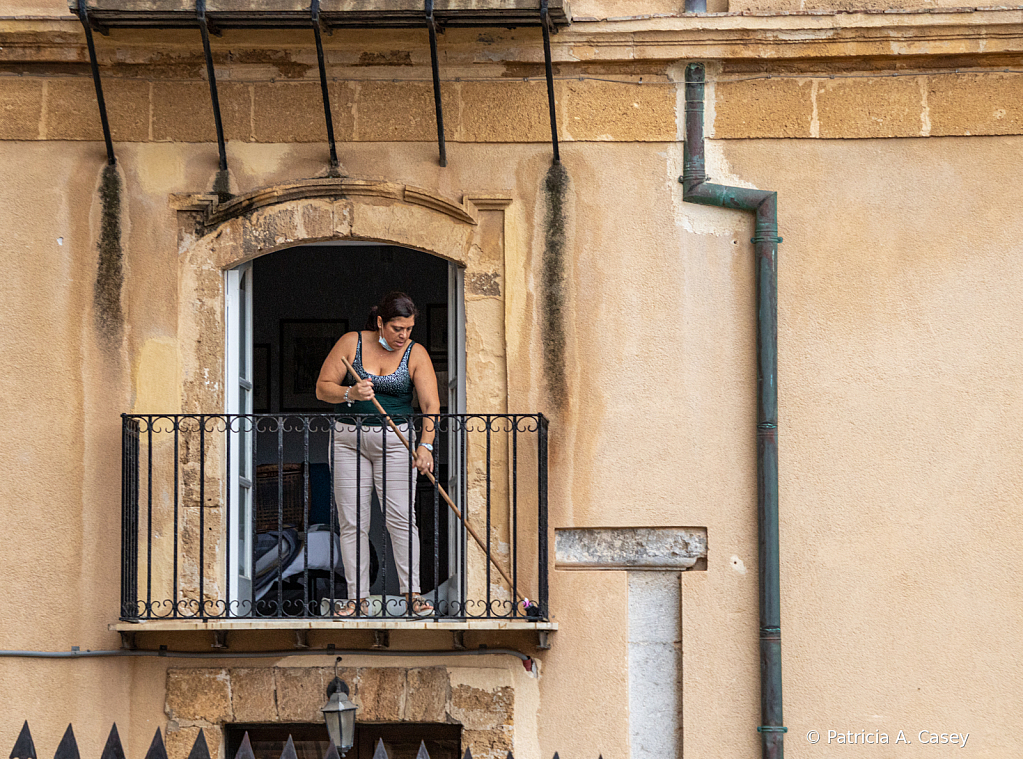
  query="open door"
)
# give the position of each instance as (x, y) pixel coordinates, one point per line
(456, 405)
(238, 394)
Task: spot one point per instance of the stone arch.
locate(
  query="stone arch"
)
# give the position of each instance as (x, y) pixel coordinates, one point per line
(216, 236)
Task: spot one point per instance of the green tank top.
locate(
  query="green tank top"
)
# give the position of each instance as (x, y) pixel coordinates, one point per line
(393, 392)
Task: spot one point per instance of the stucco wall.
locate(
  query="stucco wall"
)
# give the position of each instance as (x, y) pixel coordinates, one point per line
(898, 406)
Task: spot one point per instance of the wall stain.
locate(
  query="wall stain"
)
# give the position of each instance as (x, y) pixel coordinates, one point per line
(110, 267)
(553, 284)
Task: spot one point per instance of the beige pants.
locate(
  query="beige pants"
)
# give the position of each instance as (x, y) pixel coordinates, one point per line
(375, 458)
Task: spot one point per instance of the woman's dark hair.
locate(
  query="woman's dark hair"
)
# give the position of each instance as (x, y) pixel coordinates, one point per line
(395, 305)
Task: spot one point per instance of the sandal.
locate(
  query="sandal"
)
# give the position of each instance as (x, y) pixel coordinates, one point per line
(420, 606)
(348, 608)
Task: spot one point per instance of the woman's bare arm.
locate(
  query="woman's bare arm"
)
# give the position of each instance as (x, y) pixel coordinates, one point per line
(333, 371)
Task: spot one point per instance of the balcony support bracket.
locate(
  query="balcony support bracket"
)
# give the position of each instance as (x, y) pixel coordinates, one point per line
(301, 639)
(128, 640)
(219, 639)
(543, 640)
(381, 639)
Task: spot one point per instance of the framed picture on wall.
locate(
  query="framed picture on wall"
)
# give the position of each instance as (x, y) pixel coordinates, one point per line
(261, 378)
(305, 343)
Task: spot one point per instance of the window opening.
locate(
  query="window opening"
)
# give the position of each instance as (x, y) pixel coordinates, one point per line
(401, 740)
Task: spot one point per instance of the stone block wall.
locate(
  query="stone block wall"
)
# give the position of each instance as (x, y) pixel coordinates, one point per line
(210, 698)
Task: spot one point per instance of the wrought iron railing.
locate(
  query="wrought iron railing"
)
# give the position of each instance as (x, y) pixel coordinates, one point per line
(230, 516)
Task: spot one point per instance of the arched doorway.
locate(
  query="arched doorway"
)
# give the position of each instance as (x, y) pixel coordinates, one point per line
(285, 310)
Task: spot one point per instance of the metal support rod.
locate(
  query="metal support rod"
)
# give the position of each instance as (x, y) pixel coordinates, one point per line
(431, 24)
(200, 14)
(315, 13)
(83, 16)
(696, 189)
(545, 21)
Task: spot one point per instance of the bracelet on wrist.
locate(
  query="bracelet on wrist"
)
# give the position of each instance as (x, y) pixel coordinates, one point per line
(427, 446)
(346, 395)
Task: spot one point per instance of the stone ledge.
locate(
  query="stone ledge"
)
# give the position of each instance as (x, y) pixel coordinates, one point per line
(664, 548)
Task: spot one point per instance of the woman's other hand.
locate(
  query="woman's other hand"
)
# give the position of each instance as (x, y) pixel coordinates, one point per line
(424, 460)
(362, 391)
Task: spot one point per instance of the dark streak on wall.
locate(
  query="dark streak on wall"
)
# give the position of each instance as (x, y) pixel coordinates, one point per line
(553, 284)
(110, 267)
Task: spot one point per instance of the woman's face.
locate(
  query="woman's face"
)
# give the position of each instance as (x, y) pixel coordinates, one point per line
(397, 331)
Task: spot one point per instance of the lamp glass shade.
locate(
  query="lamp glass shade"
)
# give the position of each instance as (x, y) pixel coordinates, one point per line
(339, 714)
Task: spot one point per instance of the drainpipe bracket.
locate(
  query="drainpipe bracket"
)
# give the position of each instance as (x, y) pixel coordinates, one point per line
(767, 238)
(771, 729)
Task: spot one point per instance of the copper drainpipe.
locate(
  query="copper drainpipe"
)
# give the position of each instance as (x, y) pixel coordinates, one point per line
(764, 204)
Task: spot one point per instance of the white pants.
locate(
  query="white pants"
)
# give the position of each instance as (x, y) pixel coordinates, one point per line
(375, 458)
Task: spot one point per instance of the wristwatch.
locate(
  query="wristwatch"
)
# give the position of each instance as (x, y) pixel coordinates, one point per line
(427, 446)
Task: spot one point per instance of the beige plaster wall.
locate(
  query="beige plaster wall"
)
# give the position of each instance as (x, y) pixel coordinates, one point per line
(898, 434)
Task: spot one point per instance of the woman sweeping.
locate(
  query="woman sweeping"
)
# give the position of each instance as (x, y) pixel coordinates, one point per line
(390, 364)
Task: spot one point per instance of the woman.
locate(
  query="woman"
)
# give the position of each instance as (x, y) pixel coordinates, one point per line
(389, 364)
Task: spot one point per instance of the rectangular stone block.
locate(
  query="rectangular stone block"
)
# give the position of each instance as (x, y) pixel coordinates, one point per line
(183, 111)
(971, 104)
(671, 548)
(72, 112)
(762, 108)
(869, 108)
(21, 108)
(301, 691)
(179, 742)
(428, 690)
(381, 695)
(505, 112)
(253, 695)
(198, 694)
(488, 744)
(403, 111)
(619, 112)
(479, 709)
(289, 112)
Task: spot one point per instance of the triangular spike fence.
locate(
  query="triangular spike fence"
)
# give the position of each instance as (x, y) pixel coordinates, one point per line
(331, 752)
(68, 748)
(422, 753)
(245, 749)
(380, 752)
(199, 749)
(113, 749)
(156, 749)
(467, 754)
(289, 750)
(24, 748)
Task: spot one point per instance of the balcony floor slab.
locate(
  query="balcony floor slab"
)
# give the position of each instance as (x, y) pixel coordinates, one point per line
(188, 625)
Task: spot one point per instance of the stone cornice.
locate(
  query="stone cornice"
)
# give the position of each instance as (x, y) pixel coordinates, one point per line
(653, 40)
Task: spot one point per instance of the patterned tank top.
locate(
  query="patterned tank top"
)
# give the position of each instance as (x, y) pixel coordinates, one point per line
(393, 391)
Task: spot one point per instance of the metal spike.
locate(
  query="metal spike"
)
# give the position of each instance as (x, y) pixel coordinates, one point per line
(380, 752)
(245, 749)
(289, 750)
(509, 756)
(467, 754)
(24, 748)
(422, 753)
(199, 749)
(331, 751)
(68, 748)
(113, 749)
(156, 749)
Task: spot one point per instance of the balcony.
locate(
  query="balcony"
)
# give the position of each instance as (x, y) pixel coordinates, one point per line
(232, 521)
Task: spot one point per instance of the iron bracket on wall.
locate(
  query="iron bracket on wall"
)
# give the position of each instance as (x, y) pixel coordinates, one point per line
(200, 15)
(335, 166)
(545, 24)
(431, 24)
(83, 16)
